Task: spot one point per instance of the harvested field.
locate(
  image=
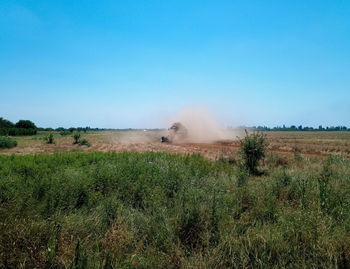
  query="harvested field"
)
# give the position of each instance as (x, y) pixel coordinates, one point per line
(313, 144)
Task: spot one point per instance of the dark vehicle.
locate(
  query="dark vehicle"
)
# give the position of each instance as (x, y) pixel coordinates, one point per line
(177, 132)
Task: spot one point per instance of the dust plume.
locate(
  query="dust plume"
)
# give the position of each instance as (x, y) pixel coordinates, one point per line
(142, 136)
(201, 125)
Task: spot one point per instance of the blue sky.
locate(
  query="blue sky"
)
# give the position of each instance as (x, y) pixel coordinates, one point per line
(132, 64)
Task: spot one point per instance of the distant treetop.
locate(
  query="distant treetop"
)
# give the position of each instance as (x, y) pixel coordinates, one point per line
(22, 127)
(25, 124)
(300, 128)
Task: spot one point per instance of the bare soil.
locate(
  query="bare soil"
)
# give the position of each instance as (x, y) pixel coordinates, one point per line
(313, 144)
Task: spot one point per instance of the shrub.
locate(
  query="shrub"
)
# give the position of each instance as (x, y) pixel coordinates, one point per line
(76, 137)
(253, 149)
(7, 142)
(64, 133)
(80, 142)
(49, 139)
(84, 142)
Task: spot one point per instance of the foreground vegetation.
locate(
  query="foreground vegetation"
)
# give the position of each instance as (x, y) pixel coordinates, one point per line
(159, 210)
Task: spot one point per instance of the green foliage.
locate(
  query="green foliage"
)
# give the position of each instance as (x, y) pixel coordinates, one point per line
(64, 133)
(159, 210)
(22, 127)
(242, 176)
(79, 141)
(17, 131)
(253, 149)
(80, 258)
(25, 124)
(76, 137)
(52, 247)
(7, 142)
(49, 139)
(324, 187)
(5, 124)
(84, 142)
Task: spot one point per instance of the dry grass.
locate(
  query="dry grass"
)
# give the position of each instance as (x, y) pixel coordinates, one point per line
(310, 144)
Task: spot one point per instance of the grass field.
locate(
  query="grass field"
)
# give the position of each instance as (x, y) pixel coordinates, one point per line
(166, 210)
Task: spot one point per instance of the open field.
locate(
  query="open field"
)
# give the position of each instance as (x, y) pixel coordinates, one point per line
(288, 143)
(161, 210)
(102, 207)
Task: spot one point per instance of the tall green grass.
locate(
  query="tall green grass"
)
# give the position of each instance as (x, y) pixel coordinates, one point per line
(158, 210)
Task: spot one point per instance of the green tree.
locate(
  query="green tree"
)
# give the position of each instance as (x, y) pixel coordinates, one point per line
(6, 123)
(25, 124)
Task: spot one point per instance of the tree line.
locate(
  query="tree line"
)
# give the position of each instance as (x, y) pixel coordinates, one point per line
(22, 127)
(294, 128)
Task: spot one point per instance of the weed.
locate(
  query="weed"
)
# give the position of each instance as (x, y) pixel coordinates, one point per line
(242, 176)
(76, 137)
(324, 187)
(79, 141)
(253, 148)
(84, 142)
(49, 139)
(65, 133)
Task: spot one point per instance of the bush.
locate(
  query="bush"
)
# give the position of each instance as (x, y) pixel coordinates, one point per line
(7, 142)
(64, 133)
(84, 142)
(80, 142)
(253, 149)
(49, 139)
(76, 137)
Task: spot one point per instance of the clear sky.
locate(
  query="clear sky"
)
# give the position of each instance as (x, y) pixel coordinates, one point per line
(133, 63)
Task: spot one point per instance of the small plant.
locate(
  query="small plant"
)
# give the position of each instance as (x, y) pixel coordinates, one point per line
(49, 139)
(80, 258)
(76, 137)
(51, 247)
(324, 187)
(79, 141)
(242, 176)
(7, 142)
(253, 149)
(84, 142)
(190, 228)
(214, 222)
(64, 133)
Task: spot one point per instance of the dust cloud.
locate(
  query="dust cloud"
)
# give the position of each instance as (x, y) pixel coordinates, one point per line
(138, 136)
(201, 125)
